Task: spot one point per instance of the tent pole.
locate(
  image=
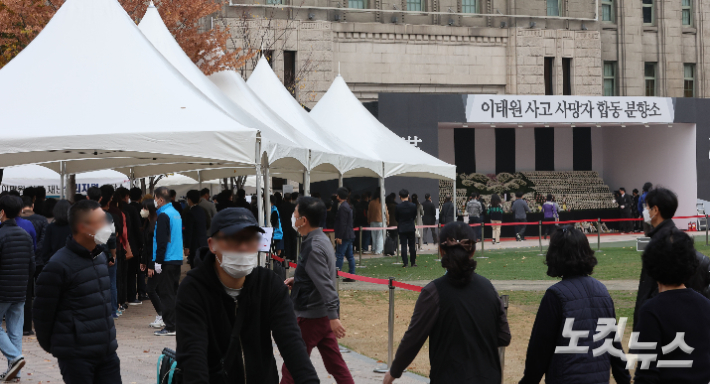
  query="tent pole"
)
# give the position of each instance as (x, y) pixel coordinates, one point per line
(259, 197)
(382, 204)
(340, 180)
(132, 177)
(62, 171)
(267, 196)
(307, 183)
(307, 176)
(199, 179)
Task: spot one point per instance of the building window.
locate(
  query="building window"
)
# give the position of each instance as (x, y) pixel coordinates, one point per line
(359, 4)
(609, 78)
(608, 10)
(553, 7)
(566, 76)
(687, 6)
(274, 1)
(469, 6)
(650, 76)
(549, 65)
(689, 80)
(414, 5)
(649, 13)
(290, 71)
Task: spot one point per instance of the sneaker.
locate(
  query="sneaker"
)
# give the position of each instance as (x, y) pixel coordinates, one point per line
(28, 333)
(135, 302)
(348, 280)
(143, 297)
(414, 265)
(517, 237)
(114, 315)
(164, 332)
(15, 367)
(158, 323)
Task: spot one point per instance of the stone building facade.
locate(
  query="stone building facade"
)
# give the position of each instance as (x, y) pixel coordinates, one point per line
(579, 47)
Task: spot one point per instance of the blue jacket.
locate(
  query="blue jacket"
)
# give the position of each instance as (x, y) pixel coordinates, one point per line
(642, 202)
(278, 231)
(167, 237)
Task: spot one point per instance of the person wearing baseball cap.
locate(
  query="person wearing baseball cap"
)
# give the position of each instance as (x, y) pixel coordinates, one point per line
(228, 309)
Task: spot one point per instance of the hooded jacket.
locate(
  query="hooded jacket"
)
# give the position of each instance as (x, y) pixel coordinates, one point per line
(206, 315)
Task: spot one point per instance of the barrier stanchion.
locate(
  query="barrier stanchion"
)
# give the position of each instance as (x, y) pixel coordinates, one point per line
(599, 234)
(438, 248)
(359, 262)
(501, 350)
(706, 230)
(540, 237)
(390, 330)
(483, 238)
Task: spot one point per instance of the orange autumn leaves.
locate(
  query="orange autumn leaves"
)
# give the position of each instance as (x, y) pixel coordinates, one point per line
(187, 20)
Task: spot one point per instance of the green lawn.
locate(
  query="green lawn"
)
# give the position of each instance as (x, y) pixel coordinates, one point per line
(620, 263)
(624, 302)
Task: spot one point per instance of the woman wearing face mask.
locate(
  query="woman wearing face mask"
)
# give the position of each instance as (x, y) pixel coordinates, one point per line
(228, 309)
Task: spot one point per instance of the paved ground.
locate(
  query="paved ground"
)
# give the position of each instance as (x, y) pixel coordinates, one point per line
(138, 350)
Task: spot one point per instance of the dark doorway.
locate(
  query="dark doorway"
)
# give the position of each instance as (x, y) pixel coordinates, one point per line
(549, 66)
(544, 149)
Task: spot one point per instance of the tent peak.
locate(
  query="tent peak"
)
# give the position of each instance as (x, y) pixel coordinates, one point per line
(151, 5)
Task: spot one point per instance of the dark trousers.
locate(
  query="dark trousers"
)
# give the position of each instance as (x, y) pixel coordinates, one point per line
(408, 239)
(548, 226)
(142, 288)
(477, 229)
(366, 239)
(290, 243)
(153, 295)
(121, 284)
(167, 290)
(520, 229)
(103, 370)
(27, 326)
(626, 226)
(132, 267)
(317, 333)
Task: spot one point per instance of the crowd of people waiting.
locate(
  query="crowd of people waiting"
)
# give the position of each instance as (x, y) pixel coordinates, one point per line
(94, 268)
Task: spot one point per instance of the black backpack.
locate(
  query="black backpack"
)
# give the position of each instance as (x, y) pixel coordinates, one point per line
(390, 246)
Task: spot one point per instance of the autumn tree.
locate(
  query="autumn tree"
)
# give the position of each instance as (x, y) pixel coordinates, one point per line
(187, 20)
(20, 22)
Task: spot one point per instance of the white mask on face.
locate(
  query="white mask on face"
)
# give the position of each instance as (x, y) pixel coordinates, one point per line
(144, 213)
(647, 216)
(293, 223)
(103, 234)
(238, 264)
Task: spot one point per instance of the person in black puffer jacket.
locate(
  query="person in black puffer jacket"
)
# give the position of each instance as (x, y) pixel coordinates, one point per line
(17, 266)
(72, 310)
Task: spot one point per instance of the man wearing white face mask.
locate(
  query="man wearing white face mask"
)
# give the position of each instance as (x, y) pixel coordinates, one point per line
(660, 207)
(72, 308)
(313, 292)
(167, 257)
(228, 309)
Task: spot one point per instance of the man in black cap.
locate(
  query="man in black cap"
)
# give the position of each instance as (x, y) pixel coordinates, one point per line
(228, 309)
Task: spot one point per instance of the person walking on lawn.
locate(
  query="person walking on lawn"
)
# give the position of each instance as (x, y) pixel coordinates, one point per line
(313, 292)
(344, 234)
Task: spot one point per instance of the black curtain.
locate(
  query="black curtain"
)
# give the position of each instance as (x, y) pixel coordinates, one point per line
(582, 149)
(505, 150)
(544, 149)
(465, 150)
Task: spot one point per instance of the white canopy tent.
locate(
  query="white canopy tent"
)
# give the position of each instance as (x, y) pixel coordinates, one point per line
(287, 150)
(266, 85)
(341, 113)
(32, 175)
(109, 97)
